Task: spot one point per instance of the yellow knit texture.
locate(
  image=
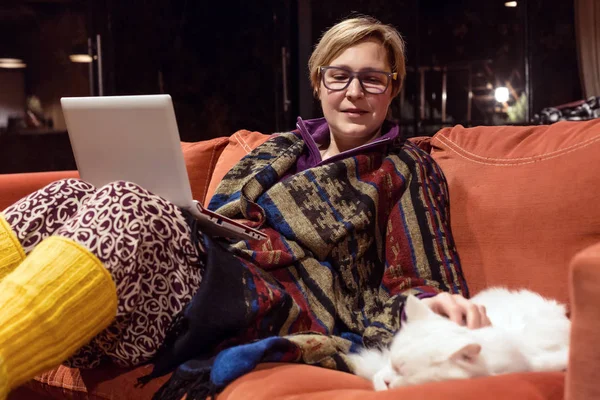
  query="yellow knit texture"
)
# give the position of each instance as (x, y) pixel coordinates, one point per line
(11, 252)
(53, 303)
(3, 383)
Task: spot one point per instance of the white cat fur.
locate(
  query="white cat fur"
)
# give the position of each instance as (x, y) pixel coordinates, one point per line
(528, 333)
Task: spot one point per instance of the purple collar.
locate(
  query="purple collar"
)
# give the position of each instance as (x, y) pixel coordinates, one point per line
(316, 131)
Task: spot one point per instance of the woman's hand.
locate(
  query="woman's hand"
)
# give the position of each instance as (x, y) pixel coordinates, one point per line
(459, 310)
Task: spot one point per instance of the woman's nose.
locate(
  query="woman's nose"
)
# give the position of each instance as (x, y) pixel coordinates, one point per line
(354, 89)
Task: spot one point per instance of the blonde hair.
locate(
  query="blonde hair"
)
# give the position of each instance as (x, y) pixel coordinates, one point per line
(351, 32)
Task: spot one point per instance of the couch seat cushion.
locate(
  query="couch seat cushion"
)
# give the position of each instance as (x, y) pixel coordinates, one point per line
(287, 382)
(293, 381)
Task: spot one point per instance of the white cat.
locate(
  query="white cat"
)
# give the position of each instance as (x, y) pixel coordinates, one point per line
(528, 333)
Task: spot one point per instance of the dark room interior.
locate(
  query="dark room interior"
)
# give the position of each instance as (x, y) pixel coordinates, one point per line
(239, 65)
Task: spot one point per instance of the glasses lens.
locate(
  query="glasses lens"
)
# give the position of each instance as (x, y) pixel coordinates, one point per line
(374, 81)
(336, 78)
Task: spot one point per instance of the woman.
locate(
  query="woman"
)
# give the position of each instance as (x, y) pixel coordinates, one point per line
(357, 219)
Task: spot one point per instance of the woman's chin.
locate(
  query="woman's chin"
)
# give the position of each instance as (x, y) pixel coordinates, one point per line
(357, 131)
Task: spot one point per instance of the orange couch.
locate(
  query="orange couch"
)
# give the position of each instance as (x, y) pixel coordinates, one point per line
(525, 208)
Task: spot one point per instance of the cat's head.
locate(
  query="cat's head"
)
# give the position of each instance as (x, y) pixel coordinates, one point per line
(430, 347)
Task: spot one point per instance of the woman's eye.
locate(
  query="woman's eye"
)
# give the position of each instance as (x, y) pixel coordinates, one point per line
(340, 77)
(372, 79)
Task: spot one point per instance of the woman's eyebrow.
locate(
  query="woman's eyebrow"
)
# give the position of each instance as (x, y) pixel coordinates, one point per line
(365, 69)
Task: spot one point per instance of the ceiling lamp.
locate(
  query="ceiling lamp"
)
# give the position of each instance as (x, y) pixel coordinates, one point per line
(510, 4)
(80, 58)
(12, 63)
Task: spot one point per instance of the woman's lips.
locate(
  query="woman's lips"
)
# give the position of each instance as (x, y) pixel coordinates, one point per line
(354, 112)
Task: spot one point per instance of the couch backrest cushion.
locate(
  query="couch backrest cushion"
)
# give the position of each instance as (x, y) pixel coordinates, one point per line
(200, 160)
(14, 187)
(238, 145)
(524, 200)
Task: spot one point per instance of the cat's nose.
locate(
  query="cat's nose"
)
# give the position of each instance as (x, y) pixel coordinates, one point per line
(387, 381)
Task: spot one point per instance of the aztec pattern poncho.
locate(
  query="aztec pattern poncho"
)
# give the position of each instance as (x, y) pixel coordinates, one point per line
(348, 240)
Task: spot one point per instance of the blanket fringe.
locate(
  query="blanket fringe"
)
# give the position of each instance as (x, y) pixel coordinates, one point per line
(193, 387)
(177, 326)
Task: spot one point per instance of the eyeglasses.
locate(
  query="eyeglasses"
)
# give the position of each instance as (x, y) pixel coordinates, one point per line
(374, 82)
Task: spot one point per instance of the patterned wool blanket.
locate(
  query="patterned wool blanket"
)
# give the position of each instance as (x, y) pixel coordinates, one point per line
(348, 240)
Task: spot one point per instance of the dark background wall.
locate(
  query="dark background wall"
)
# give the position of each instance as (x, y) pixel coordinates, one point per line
(459, 32)
(221, 63)
(242, 65)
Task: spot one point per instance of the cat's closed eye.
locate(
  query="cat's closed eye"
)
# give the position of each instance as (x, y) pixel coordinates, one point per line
(398, 368)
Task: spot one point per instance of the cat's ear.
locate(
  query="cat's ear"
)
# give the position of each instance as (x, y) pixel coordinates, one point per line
(416, 310)
(467, 354)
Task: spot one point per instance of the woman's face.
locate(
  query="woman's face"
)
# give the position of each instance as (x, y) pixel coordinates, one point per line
(354, 115)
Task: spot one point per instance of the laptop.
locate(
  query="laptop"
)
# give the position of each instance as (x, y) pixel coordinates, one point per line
(135, 139)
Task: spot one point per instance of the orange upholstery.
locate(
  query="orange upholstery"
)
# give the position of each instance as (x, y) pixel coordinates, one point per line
(584, 361)
(200, 159)
(290, 382)
(16, 186)
(524, 202)
(240, 144)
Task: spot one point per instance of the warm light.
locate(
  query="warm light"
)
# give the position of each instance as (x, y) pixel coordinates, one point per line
(501, 94)
(80, 58)
(11, 66)
(12, 63)
(510, 4)
(10, 60)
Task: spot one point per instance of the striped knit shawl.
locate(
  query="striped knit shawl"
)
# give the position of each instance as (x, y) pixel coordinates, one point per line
(348, 240)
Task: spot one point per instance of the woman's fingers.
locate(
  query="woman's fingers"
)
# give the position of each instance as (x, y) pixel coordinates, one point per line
(485, 320)
(455, 312)
(472, 313)
(444, 304)
(460, 310)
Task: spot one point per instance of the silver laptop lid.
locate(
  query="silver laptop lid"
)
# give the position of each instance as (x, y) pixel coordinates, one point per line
(130, 138)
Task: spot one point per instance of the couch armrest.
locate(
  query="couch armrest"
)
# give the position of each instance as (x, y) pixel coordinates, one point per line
(584, 359)
(15, 186)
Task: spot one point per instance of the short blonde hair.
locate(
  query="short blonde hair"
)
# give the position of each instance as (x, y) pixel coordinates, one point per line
(351, 32)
